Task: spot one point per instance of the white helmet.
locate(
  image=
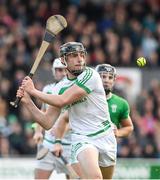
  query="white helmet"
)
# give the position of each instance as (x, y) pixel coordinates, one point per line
(57, 64)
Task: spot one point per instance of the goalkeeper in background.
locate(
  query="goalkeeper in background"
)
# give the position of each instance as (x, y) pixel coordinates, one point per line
(44, 138)
(118, 107)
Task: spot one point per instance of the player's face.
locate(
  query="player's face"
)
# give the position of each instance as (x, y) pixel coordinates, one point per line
(60, 73)
(76, 61)
(108, 80)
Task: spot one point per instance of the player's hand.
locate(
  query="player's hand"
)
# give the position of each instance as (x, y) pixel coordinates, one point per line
(23, 95)
(28, 85)
(38, 137)
(20, 92)
(58, 149)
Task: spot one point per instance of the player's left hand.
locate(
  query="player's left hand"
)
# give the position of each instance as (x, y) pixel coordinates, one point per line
(58, 149)
(28, 85)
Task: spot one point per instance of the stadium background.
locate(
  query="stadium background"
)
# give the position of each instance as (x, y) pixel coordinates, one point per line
(113, 31)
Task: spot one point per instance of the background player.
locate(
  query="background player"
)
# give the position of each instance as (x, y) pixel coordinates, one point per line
(118, 107)
(46, 165)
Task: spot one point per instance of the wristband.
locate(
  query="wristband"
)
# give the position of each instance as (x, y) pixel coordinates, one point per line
(58, 141)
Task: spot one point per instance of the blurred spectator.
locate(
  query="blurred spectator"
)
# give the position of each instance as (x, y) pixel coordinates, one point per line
(149, 44)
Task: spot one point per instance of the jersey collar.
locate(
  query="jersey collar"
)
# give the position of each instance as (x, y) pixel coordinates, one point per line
(109, 96)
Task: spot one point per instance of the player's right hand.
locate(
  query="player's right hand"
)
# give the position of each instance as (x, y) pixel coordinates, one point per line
(38, 137)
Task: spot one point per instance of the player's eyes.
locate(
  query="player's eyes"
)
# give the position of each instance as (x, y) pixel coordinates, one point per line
(82, 54)
(73, 54)
(110, 77)
(76, 54)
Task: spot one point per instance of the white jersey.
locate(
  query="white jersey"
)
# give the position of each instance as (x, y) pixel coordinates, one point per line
(48, 137)
(89, 116)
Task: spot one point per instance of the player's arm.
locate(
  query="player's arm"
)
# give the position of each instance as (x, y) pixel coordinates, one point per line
(71, 95)
(125, 129)
(61, 126)
(126, 125)
(38, 133)
(59, 130)
(45, 119)
(39, 130)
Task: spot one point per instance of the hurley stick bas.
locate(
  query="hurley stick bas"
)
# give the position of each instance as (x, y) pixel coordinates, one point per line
(43, 151)
(54, 25)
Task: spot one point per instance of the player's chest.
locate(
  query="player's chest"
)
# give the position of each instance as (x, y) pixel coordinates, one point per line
(114, 108)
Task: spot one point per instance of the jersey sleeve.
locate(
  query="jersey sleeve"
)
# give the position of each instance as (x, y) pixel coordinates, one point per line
(87, 80)
(125, 111)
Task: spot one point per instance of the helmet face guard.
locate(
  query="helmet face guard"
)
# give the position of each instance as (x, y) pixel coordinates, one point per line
(69, 48)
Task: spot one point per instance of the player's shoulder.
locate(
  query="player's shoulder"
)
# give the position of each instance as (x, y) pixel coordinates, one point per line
(91, 70)
(88, 73)
(119, 98)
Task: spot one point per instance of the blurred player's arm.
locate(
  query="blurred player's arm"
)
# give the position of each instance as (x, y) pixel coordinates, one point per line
(60, 128)
(125, 129)
(38, 133)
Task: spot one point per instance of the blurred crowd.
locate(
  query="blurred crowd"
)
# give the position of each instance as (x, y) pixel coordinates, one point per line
(145, 114)
(113, 31)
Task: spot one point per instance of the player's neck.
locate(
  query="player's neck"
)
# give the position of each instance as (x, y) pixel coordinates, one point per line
(108, 96)
(70, 76)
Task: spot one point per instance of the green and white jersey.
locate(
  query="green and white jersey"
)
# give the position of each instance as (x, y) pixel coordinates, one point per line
(88, 116)
(48, 137)
(118, 109)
